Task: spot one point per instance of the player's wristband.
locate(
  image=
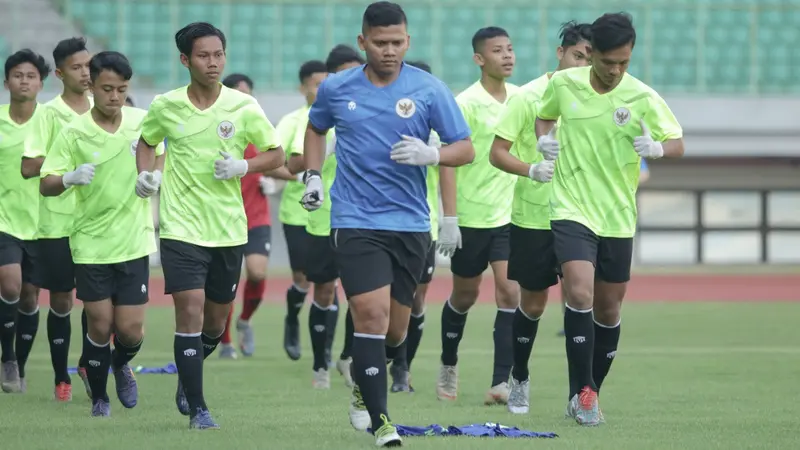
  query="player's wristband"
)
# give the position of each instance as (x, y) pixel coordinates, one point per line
(311, 173)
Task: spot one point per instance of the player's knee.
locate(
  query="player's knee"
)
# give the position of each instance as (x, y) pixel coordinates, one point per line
(507, 294)
(99, 328)
(607, 312)
(28, 298)
(61, 302)
(324, 294)
(10, 290)
(130, 330)
(533, 303)
(396, 336)
(580, 295)
(299, 279)
(465, 294)
(189, 317)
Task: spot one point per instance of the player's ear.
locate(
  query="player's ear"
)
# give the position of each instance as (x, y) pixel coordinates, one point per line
(361, 42)
(478, 58)
(560, 53)
(185, 60)
(59, 74)
(5, 84)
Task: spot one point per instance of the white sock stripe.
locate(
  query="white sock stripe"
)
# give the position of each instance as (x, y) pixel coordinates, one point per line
(582, 311)
(506, 310)
(529, 317)
(417, 316)
(53, 312)
(96, 344)
(450, 305)
(299, 289)
(188, 334)
(28, 313)
(608, 326)
(8, 302)
(323, 308)
(369, 336)
(212, 337)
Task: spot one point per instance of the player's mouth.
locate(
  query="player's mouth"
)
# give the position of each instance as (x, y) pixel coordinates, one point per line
(212, 74)
(389, 63)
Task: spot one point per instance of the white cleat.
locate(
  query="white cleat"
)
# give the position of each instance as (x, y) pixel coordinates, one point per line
(322, 379)
(343, 367)
(497, 395)
(519, 396)
(447, 384)
(359, 417)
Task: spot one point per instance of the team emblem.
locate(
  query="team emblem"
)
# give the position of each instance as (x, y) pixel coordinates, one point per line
(622, 116)
(225, 130)
(351, 106)
(134, 144)
(405, 108)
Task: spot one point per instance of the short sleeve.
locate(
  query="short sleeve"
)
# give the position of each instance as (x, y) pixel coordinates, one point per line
(37, 141)
(258, 129)
(152, 129)
(59, 160)
(320, 115)
(515, 118)
(160, 148)
(549, 108)
(446, 118)
(661, 121)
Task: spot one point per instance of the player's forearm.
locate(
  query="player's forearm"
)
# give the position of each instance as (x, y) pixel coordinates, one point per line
(313, 149)
(281, 173)
(159, 165)
(30, 167)
(447, 184)
(500, 156)
(296, 164)
(457, 154)
(673, 148)
(145, 157)
(51, 186)
(543, 126)
(266, 161)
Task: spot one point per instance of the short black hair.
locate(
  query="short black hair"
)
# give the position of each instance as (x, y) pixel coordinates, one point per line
(234, 79)
(383, 14)
(310, 68)
(340, 55)
(185, 37)
(484, 34)
(573, 32)
(109, 60)
(28, 56)
(612, 31)
(422, 65)
(67, 48)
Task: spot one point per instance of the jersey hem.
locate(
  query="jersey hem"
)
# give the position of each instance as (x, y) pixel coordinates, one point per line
(484, 226)
(292, 223)
(531, 227)
(318, 234)
(18, 236)
(201, 243)
(375, 228)
(112, 260)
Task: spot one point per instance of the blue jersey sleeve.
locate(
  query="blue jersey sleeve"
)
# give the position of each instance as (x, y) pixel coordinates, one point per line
(320, 115)
(446, 117)
(644, 167)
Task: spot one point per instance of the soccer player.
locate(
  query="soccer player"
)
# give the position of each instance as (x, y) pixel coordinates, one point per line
(401, 365)
(203, 224)
(56, 272)
(320, 263)
(95, 155)
(611, 120)
(532, 260)
(484, 214)
(259, 242)
(382, 114)
(25, 72)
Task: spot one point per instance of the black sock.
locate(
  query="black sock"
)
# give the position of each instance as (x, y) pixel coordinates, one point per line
(8, 329)
(317, 326)
(503, 346)
(98, 360)
(573, 379)
(123, 353)
(606, 340)
(452, 332)
(579, 333)
(59, 330)
(396, 354)
(209, 344)
(331, 320)
(524, 335)
(189, 361)
(414, 337)
(369, 368)
(84, 332)
(347, 349)
(27, 327)
(294, 303)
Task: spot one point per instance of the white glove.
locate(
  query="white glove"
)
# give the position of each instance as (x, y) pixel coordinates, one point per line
(268, 185)
(645, 146)
(413, 152)
(449, 237)
(434, 140)
(314, 195)
(330, 147)
(227, 167)
(548, 145)
(147, 183)
(542, 172)
(81, 176)
(300, 176)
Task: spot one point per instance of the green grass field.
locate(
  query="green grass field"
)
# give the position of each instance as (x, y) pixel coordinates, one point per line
(687, 376)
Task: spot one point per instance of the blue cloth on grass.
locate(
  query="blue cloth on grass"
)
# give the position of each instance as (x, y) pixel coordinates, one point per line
(169, 369)
(488, 429)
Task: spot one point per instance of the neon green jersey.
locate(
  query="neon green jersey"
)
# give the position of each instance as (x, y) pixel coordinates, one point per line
(19, 198)
(195, 207)
(111, 223)
(484, 193)
(597, 171)
(291, 212)
(531, 205)
(432, 181)
(55, 213)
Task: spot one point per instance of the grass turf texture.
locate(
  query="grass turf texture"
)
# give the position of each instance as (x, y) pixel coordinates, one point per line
(687, 376)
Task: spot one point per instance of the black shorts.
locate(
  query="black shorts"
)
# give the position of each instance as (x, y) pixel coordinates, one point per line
(532, 262)
(479, 247)
(297, 244)
(321, 266)
(126, 283)
(259, 241)
(430, 265)
(610, 256)
(24, 253)
(55, 270)
(186, 267)
(371, 259)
